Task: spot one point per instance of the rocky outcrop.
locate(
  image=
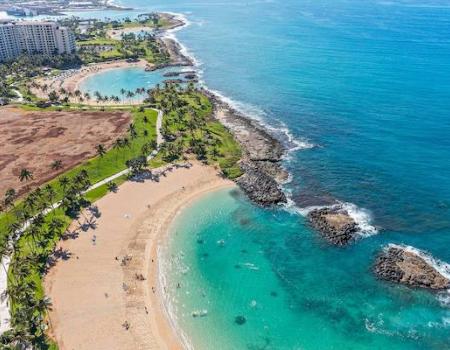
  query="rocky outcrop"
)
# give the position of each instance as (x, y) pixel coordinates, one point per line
(190, 76)
(401, 265)
(174, 52)
(262, 155)
(260, 187)
(177, 74)
(334, 224)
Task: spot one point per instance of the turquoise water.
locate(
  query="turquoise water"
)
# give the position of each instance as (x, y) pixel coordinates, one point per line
(360, 91)
(232, 259)
(111, 82)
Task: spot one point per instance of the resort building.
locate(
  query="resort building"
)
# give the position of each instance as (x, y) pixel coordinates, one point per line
(30, 37)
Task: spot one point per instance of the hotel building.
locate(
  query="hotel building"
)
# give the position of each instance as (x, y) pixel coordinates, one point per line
(49, 38)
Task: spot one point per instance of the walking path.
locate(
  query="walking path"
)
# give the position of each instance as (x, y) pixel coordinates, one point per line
(6, 259)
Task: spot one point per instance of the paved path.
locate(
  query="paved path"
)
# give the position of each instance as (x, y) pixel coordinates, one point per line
(4, 307)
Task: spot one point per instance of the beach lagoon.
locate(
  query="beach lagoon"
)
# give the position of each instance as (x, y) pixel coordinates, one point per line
(110, 82)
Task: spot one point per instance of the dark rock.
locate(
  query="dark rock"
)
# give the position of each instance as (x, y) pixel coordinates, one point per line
(262, 155)
(334, 224)
(190, 76)
(172, 74)
(259, 186)
(240, 320)
(173, 81)
(400, 265)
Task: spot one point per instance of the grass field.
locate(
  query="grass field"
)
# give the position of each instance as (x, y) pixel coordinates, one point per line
(34, 247)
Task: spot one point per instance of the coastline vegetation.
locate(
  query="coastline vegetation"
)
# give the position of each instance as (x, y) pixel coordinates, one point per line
(94, 46)
(189, 129)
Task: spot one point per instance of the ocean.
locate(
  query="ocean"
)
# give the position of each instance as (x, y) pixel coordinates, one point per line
(359, 92)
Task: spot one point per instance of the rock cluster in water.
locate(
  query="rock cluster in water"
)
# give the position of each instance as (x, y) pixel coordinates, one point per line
(400, 265)
(334, 224)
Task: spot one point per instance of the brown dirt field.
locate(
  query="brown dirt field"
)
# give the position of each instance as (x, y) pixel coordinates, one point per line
(33, 140)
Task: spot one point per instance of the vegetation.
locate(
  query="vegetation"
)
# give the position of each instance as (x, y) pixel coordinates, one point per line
(99, 48)
(189, 129)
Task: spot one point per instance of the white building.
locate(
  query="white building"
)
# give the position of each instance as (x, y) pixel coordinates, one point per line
(32, 37)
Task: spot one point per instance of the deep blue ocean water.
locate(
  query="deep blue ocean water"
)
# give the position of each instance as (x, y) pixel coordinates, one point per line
(367, 83)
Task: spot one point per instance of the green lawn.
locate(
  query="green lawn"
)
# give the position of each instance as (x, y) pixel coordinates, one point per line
(100, 168)
(35, 246)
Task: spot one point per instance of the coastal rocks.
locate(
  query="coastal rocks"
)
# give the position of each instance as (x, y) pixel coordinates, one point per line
(260, 187)
(177, 74)
(334, 224)
(409, 267)
(190, 76)
(262, 155)
(174, 51)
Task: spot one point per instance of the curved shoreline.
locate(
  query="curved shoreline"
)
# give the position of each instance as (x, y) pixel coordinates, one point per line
(72, 80)
(94, 294)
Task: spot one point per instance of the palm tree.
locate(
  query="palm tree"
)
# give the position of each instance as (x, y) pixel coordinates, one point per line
(25, 175)
(64, 182)
(111, 186)
(122, 92)
(101, 150)
(10, 196)
(132, 131)
(56, 164)
(77, 94)
(130, 95)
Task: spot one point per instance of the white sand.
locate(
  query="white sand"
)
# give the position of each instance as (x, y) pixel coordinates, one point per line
(89, 301)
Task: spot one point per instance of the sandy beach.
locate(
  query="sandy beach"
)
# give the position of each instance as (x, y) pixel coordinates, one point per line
(111, 280)
(71, 79)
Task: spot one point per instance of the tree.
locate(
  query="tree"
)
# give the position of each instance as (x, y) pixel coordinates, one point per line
(64, 182)
(132, 131)
(56, 164)
(10, 197)
(25, 175)
(111, 186)
(53, 97)
(101, 150)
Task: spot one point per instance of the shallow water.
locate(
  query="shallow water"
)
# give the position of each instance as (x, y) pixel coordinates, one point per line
(232, 259)
(112, 81)
(366, 82)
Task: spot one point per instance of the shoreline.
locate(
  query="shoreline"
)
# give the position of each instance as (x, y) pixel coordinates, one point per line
(71, 80)
(92, 292)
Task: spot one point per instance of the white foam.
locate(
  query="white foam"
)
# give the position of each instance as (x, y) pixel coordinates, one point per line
(361, 216)
(276, 127)
(444, 298)
(168, 304)
(170, 34)
(442, 267)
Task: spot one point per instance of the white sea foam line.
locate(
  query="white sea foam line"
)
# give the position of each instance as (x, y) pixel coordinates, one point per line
(360, 215)
(247, 109)
(167, 304)
(441, 266)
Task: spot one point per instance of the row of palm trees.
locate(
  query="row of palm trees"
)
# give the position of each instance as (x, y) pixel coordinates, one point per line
(34, 252)
(184, 129)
